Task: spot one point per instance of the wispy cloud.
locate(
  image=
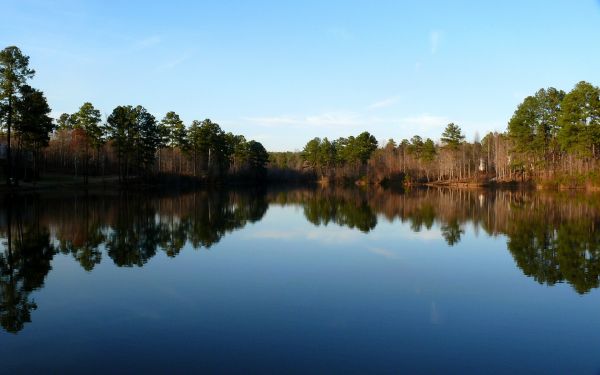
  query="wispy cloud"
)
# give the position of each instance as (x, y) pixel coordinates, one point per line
(434, 41)
(425, 121)
(335, 119)
(424, 235)
(327, 119)
(171, 64)
(350, 120)
(340, 33)
(148, 42)
(384, 103)
(333, 234)
(270, 121)
(277, 235)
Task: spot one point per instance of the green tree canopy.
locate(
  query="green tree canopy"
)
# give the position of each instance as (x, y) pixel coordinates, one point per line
(65, 122)
(148, 138)
(176, 132)
(310, 153)
(452, 136)
(579, 120)
(534, 125)
(14, 73)
(33, 125)
(428, 152)
(88, 118)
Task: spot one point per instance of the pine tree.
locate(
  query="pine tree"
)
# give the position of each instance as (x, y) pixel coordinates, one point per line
(14, 73)
(88, 119)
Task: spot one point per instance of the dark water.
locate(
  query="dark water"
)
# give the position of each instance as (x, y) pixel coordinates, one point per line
(301, 281)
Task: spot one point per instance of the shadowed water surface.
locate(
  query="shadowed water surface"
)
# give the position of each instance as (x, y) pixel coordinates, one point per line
(300, 281)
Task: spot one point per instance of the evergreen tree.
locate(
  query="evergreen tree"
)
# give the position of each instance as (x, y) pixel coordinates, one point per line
(428, 152)
(310, 153)
(148, 139)
(176, 134)
(327, 154)
(416, 146)
(213, 148)
(32, 123)
(88, 120)
(452, 136)
(365, 145)
(549, 109)
(14, 73)
(121, 131)
(195, 144)
(579, 120)
(522, 126)
(65, 122)
(258, 158)
(237, 147)
(452, 139)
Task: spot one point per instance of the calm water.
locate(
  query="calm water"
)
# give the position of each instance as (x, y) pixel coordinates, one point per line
(301, 281)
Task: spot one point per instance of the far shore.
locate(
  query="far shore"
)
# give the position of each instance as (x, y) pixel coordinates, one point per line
(63, 182)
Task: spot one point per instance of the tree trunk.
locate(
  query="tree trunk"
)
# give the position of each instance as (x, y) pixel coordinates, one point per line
(86, 163)
(8, 149)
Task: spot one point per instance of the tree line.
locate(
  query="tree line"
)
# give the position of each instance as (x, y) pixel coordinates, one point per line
(414, 160)
(131, 142)
(553, 136)
(140, 145)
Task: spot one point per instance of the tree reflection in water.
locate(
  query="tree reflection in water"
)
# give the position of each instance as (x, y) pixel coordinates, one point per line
(24, 262)
(553, 238)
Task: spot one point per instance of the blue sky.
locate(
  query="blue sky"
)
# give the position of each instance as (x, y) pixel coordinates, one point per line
(283, 72)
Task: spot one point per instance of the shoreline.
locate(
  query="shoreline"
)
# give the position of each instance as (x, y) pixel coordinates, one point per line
(58, 182)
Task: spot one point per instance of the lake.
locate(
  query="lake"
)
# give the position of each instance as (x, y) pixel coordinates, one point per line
(305, 280)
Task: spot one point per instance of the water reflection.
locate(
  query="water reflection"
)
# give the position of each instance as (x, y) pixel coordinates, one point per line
(552, 237)
(24, 264)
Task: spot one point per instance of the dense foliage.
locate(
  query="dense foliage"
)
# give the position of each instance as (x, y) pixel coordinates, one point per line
(552, 136)
(553, 130)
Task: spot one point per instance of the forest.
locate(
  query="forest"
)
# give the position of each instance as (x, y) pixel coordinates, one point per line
(551, 140)
(131, 144)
